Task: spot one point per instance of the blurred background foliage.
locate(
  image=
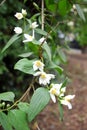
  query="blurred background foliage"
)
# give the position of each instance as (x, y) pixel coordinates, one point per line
(71, 29)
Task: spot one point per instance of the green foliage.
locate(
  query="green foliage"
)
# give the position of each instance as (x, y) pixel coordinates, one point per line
(80, 11)
(25, 66)
(38, 59)
(19, 121)
(64, 7)
(38, 101)
(10, 42)
(7, 96)
(23, 106)
(5, 122)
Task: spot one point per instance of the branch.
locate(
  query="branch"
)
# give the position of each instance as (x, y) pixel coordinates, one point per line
(2, 2)
(42, 14)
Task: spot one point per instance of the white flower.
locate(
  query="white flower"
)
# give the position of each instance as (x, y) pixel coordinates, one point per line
(29, 38)
(56, 90)
(66, 101)
(44, 77)
(18, 15)
(38, 65)
(71, 23)
(24, 12)
(42, 40)
(18, 30)
(34, 25)
(74, 6)
(85, 10)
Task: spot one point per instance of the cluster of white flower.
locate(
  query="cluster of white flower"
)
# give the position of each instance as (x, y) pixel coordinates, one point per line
(18, 30)
(56, 90)
(44, 78)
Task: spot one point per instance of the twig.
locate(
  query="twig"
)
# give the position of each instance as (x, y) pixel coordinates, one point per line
(2, 2)
(42, 14)
(23, 98)
(61, 22)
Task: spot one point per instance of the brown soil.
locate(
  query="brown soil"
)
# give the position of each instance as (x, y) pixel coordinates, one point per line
(75, 119)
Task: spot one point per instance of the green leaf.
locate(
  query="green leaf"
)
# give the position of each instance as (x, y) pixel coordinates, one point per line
(62, 56)
(25, 66)
(18, 120)
(80, 12)
(7, 96)
(40, 31)
(64, 7)
(47, 49)
(25, 1)
(10, 42)
(39, 100)
(33, 47)
(5, 122)
(51, 5)
(60, 110)
(24, 55)
(64, 83)
(23, 106)
(52, 65)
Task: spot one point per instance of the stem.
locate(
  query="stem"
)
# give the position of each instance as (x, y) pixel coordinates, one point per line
(2, 2)
(61, 22)
(42, 14)
(23, 98)
(42, 27)
(33, 33)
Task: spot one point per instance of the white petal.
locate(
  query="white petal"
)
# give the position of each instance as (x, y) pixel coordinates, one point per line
(42, 81)
(64, 102)
(26, 36)
(37, 73)
(18, 15)
(52, 76)
(69, 97)
(18, 30)
(53, 98)
(42, 39)
(35, 67)
(24, 12)
(67, 103)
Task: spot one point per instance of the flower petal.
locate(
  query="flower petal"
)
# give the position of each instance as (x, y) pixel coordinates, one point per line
(53, 98)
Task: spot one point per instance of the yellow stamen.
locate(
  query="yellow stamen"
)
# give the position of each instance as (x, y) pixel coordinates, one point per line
(53, 91)
(43, 76)
(38, 63)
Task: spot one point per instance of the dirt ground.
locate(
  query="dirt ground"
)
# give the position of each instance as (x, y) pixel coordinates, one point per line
(75, 119)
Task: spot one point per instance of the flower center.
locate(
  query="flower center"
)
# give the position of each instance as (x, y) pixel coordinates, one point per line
(38, 64)
(53, 91)
(43, 76)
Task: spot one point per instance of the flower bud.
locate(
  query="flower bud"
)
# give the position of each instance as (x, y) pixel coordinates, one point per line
(8, 105)
(24, 12)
